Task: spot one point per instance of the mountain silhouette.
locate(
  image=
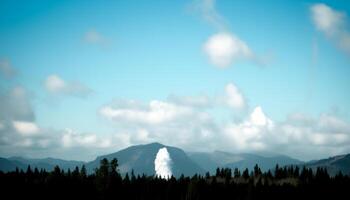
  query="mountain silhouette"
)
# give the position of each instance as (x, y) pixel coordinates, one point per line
(140, 158)
(332, 164)
(210, 161)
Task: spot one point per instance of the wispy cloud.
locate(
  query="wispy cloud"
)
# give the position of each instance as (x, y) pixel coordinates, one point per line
(57, 86)
(16, 105)
(333, 23)
(96, 38)
(207, 10)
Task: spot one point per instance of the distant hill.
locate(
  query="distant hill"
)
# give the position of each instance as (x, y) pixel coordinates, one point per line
(210, 161)
(332, 164)
(10, 164)
(140, 158)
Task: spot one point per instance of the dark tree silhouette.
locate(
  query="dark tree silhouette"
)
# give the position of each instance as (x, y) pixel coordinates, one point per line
(106, 182)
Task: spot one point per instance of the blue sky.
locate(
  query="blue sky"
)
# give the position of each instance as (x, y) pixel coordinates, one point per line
(108, 51)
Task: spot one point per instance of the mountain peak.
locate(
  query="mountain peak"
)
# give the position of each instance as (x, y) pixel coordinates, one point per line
(140, 158)
(155, 144)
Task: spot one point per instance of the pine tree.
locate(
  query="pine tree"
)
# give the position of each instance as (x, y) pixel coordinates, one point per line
(114, 165)
(75, 172)
(246, 173)
(236, 173)
(83, 172)
(218, 172)
(257, 171)
(207, 175)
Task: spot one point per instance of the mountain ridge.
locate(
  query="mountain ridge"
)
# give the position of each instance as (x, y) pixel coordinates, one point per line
(140, 159)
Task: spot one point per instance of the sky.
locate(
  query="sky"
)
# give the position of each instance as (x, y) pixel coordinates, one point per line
(83, 78)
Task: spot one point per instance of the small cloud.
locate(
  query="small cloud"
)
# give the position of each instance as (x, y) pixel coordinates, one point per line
(6, 69)
(156, 112)
(26, 128)
(327, 19)
(71, 138)
(57, 86)
(333, 24)
(96, 38)
(234, 98)
(206, 9)
(224, 49)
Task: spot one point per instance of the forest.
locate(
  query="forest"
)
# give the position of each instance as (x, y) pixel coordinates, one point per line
(288, 182)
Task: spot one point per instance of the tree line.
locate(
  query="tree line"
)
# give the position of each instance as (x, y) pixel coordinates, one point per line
(289, 182)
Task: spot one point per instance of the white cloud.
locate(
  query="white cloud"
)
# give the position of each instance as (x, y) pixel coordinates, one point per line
(57, 86)
(332, 23)
(248, 135)
(71, 138)
(201, 101)
(54, 83)
(259, 118)
(6, 68)
(332, 123)
(327, 19)
(20, 135)
(155, 113)
(26, 128)
(17, 118)
(234, 97)
(189, 122)
(300, 136)
(224, 49)
(160, 121)
(16, 105)
(231, 97)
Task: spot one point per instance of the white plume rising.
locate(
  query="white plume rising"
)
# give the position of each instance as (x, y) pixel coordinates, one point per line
(162, 164)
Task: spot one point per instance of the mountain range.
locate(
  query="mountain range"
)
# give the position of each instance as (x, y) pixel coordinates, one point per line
(140, 159)
(210, 161)
(333, 164)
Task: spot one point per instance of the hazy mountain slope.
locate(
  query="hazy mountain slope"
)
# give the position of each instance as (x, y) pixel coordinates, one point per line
(265, 163)
(333, 164)
(9, 164)
(210, 161)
